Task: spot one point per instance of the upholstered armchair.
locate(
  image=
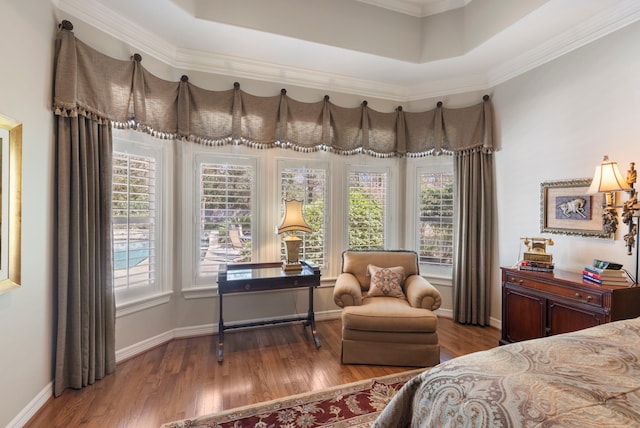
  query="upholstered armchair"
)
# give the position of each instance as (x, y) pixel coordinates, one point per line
(387, 316)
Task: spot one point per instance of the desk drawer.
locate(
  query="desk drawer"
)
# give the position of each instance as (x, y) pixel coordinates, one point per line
(266, 284)
(570, 292)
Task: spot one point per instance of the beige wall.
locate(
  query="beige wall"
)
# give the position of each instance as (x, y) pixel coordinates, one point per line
(26, 328)
(554, 122)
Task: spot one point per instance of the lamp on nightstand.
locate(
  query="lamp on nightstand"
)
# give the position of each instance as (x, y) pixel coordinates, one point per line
(293, 221)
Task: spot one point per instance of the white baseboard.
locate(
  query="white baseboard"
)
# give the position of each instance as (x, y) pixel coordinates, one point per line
(30, 409)
(448, 313)
(198, 330)
(145, 345)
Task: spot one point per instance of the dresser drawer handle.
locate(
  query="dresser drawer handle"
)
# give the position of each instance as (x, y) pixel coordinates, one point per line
(520, 281)
(578, 295)
(589, 298)
(247, 286)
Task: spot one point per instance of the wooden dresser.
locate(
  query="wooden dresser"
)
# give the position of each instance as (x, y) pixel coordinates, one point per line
(536, 304)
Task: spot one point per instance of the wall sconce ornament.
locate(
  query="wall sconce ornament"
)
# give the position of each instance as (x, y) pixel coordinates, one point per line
(628, 212)
(608, 179)
(292, 221)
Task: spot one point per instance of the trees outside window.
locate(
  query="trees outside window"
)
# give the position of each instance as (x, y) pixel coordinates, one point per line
(436, 218)
(367, 209)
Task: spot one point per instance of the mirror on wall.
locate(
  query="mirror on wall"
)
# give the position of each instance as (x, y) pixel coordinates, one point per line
(10, 203)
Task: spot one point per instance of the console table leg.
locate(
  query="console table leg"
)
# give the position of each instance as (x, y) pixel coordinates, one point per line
(220, 331)
(220, 351)
(311, 319)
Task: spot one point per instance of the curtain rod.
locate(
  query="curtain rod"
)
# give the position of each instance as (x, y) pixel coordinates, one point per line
(66, 25)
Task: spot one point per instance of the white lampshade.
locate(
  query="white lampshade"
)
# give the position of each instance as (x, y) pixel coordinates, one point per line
(293, 219)
(608, 178)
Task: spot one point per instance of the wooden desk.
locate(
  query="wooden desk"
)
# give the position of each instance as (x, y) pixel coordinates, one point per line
(250, 277)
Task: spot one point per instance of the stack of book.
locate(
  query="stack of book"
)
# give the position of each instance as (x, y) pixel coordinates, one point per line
(536, 266)
(605, 273)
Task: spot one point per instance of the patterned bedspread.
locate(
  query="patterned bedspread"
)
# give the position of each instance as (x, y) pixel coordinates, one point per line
(589, 378)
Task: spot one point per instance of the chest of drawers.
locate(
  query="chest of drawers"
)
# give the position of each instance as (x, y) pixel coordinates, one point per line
(537, 304)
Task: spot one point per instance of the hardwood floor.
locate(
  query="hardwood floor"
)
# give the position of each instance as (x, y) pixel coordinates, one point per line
(182, 378)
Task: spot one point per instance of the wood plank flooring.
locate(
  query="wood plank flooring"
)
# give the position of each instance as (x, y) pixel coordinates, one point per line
(182, 378)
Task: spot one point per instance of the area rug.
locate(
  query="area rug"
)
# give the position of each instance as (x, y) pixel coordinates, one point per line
(351, 405)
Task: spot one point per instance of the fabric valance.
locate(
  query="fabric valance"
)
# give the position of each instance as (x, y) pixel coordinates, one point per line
(89, 83)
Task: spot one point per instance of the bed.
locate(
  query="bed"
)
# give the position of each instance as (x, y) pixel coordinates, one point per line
(588, 378)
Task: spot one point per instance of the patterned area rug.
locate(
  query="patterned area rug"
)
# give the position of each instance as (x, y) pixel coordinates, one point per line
(352, 405)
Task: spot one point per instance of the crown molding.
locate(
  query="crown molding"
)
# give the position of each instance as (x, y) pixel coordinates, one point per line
(588, 31)
(445, 87)
(255, 70)
(206, 62)
(106, 20)
(419, 9)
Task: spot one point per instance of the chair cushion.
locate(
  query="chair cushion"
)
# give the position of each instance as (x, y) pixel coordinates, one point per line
(386, 281)
(388, 314)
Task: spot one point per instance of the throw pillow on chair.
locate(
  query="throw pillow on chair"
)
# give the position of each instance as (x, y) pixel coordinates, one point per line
(386, 282)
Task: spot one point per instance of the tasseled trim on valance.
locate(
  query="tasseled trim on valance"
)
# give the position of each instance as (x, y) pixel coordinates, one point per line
(126, 95)
(431, 152)
(131, 124)
(75, 111)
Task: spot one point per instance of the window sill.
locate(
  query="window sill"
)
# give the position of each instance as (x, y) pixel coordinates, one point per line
(440, 281)
(140, 304)
(200, 292)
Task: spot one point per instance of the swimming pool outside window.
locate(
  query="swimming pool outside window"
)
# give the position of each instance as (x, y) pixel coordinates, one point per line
(133, 219)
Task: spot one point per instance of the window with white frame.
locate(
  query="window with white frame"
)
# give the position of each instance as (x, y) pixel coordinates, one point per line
(308, 185)
(235, 197)
(435, 225)
(367, 201)
(224, 213)
(137, 220)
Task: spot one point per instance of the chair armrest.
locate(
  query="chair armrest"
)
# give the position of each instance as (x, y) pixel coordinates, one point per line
(421, 294)
(347, 291)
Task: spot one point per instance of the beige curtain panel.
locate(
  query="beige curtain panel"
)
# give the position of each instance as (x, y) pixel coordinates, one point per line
(123, 92)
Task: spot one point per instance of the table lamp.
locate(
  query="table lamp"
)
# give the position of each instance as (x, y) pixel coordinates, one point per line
(293, 221)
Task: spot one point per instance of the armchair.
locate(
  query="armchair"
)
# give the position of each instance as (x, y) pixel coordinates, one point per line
(387, 315)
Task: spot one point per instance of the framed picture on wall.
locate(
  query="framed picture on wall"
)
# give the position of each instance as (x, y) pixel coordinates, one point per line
(567, 209)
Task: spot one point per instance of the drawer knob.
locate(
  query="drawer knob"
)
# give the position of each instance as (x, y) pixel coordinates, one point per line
(247, 286)
(589, 298)
(578, 295)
